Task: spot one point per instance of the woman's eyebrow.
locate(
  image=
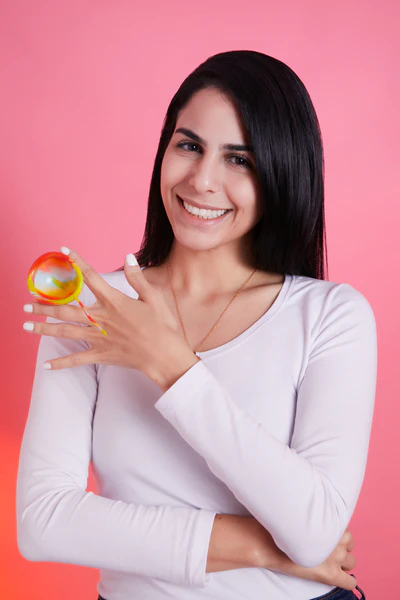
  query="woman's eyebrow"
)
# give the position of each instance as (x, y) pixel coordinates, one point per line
(189, 133)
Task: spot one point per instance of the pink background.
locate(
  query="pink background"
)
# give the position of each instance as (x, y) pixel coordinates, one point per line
(84, 89)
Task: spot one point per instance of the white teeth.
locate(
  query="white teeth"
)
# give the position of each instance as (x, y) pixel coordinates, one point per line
(202, 213)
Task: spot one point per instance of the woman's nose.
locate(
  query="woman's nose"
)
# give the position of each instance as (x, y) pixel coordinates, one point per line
(206, 175)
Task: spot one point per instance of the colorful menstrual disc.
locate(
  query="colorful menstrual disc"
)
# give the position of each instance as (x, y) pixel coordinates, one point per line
(56, 279)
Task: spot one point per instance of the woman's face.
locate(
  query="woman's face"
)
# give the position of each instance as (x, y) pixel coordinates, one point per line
(198, 169)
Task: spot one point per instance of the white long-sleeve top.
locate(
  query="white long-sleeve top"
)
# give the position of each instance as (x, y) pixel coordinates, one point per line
(274, 423)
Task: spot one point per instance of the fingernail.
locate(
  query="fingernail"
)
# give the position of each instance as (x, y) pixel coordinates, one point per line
(28, 326)
(65, 250)
(47, 366)
(131, 260)
(28, 308)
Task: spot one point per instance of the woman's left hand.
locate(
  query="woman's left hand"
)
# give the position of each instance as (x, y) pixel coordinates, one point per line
(141, 333)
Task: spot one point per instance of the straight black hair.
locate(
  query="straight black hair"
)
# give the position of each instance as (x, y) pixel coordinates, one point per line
(278, 115)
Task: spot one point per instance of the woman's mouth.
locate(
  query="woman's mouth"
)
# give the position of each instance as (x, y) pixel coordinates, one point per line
(202, 216)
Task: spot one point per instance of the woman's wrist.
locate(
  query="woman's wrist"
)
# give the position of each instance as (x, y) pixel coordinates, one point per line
(172, 360)
(267, 555)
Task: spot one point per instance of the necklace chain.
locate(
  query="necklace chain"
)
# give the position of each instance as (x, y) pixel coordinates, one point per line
(220, 317)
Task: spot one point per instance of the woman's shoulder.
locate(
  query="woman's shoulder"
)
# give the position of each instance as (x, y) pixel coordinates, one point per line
(324, 288)
(331, 297)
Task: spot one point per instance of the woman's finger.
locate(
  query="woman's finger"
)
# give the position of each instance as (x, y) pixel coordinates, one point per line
(349, 562)
(136, 279)
(348, 540)
(100, 288)
(77, 359)
(62, 312)
(346, 581)
(63, 330)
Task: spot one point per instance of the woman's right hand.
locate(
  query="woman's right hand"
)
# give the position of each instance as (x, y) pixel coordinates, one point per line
(333, 570)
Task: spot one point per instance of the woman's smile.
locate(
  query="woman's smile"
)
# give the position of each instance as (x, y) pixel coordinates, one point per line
(201, 220)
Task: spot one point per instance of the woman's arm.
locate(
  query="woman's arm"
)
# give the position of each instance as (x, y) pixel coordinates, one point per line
(303, 494)
(59, 521)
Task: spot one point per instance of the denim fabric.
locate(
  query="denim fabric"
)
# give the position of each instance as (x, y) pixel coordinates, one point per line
(341, 594)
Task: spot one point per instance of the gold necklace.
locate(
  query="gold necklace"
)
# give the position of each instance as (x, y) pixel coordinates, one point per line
(224, 311)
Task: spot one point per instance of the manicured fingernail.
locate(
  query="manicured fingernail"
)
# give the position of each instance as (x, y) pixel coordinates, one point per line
(28, 326)
(65, 250)
(28, 308)
(47, 366)
(131, 260)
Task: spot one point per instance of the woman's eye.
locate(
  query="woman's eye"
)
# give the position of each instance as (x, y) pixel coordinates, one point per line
(182, 144)
(245, 164)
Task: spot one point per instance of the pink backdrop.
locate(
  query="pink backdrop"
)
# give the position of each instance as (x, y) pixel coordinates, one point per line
(85, 86)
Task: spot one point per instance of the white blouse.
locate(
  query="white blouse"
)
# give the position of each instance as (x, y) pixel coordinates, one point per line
(274, 424)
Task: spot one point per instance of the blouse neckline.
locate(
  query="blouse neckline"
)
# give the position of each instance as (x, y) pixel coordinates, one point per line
(270, 312)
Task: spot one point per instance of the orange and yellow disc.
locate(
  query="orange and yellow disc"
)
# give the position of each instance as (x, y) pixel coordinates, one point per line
(55, 278)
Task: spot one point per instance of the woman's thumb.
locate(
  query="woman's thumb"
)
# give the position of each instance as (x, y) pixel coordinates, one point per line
(135, 277)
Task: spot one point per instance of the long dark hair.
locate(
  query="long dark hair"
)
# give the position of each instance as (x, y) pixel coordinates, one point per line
(276, 111)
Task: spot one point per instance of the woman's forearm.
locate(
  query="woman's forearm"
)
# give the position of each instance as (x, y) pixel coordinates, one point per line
(238, 542)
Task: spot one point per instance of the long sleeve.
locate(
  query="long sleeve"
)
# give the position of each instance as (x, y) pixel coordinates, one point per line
(59, 521)
(304, 493)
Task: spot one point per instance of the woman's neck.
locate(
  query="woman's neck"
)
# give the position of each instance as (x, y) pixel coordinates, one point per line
(198, 273)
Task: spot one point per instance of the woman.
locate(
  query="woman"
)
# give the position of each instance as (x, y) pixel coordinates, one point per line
(228, 410)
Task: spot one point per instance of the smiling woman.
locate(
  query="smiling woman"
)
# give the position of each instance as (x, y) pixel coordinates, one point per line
(230, 472)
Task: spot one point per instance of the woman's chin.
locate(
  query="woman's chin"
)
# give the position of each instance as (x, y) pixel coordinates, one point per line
(195, 242)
